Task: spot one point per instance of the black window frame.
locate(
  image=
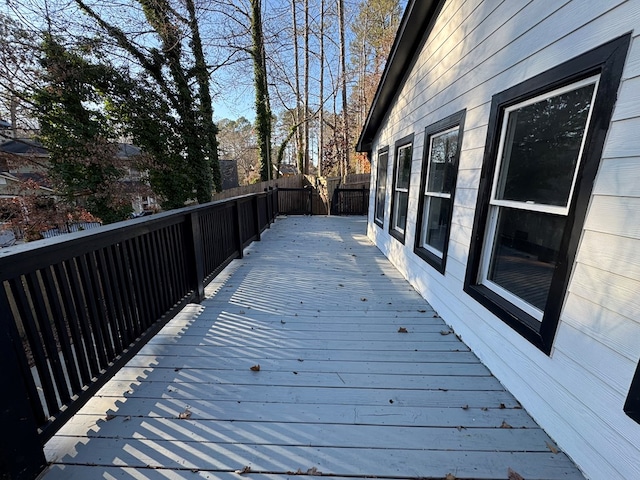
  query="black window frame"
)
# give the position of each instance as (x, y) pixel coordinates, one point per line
(376, 220)
(607, 61)
(632, 405)
(448, 123)
(397, 234)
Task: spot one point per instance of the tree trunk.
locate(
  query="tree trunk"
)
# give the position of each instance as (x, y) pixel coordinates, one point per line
(206, 109)
(343, 67)
(306, 86)
(263, 107)
(296, 117)
(321, 93)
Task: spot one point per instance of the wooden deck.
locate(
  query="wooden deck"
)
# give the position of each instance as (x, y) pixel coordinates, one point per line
(340, 391)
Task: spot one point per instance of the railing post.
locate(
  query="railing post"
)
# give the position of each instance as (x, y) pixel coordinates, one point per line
(197, 256)
(276, 202)
(256, 214)
(21, 453)
(238, 219)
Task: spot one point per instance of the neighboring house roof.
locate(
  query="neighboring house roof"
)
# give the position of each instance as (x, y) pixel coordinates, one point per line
(126, 150)
(24, 146)
(40, 179)
(287, 169)
(415, 27)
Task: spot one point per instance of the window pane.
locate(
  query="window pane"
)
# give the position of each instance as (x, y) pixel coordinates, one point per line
(403, 167)
(542, 145)
(400, 217)
(381, 185)
(436, 221)
(525, 253)
(441, 157)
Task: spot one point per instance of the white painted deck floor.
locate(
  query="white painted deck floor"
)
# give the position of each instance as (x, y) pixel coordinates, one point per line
(341, 392)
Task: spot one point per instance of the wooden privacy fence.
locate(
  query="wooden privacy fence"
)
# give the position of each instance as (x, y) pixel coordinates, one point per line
(350, 201)
(75, 309)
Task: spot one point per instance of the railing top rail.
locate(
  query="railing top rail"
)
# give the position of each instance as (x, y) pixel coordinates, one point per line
(30, 256)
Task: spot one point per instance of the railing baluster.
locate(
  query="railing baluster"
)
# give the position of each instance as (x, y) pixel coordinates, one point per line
(79, 353)
(75, 305)
(63, 335)
(112, 316)
(35, 344)
(91, 299)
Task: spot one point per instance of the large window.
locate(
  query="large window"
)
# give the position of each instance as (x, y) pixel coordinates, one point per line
(401, 177)
(543, 149)
(439, 172)
(381, 186)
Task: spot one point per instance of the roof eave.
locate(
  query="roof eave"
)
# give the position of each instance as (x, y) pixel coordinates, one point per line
(414, 27)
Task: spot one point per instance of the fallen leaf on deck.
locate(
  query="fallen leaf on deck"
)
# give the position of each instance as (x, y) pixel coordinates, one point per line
(127, 418)
(402, 330)
(314, 470)
(340, 285)
(241, 312)
(110, 417)
(300, 360)
(177, 369)
(502, 406)
(553, 449)
(422, 311)
(505, 425)
(185, 415)
(484, 409)
(363, 299)
(246, 469)
(465, 407)
(445, 332)
(256, 368)
(514, 475)
(450, 476)
(282, 322)
(295, 373)
(391, 401)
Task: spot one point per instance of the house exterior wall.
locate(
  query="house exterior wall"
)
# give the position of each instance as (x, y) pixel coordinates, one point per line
(477, 49)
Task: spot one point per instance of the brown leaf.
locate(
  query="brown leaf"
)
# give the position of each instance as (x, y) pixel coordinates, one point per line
(255, 368)
(110, 417)
(502, 406)
(465, 407)
(363, 299)
(246, 469)
(402, 330)
(445, 332)
(185, 415)
(553, 448)
(314, 470)
(514, 475)
(450, 476)
(505, 425)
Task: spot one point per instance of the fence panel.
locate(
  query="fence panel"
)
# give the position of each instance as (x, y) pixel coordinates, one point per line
(350, 201)
(295, 201)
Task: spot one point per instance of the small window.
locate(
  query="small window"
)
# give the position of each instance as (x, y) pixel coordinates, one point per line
(543, 149)
(381, 186)
(439, 172)
(632, 406)
(401, 178)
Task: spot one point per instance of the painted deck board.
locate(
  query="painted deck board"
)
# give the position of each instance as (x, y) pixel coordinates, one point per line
(339, 391)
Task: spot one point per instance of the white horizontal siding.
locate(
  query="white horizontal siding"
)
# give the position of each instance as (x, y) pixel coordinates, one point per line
(477, 49)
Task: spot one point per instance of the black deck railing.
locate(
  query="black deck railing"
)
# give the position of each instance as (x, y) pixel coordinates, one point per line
(350, 201)
(75, 309)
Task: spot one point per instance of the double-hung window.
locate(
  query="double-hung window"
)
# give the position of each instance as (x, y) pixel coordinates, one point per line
(543, 150)
(381, 186)
(401, 177)
(439, 172)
